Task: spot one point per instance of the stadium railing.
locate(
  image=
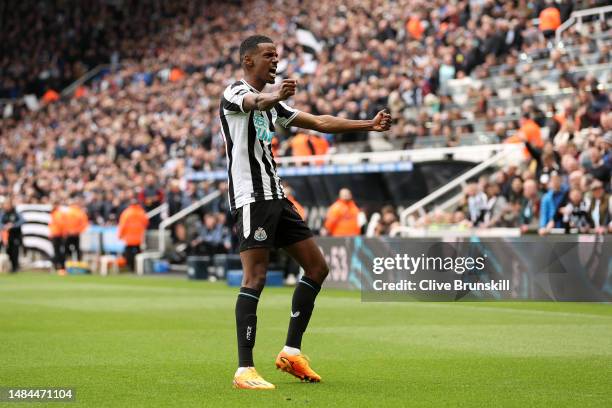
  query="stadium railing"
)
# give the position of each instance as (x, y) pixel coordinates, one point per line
(505, 153)
(577, 17)
(542, 97)
(180, 215)
(466, 139)
(541, 62)
(480, 124)
(157, 210)
(475, 153)
(537, 75)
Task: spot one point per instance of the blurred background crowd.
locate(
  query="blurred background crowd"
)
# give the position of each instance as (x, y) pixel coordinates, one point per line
(451, 72)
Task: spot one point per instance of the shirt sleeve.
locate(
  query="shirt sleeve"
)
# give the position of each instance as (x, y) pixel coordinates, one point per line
(232, 98)
(284, 114)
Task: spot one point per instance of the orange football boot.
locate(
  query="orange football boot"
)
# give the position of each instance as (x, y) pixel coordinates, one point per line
(251, 380)
(298, 366)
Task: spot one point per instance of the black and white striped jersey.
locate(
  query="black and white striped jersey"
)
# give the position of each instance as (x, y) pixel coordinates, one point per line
(248, 138)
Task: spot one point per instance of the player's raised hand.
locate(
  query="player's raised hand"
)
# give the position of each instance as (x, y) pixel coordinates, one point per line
(287, 89)
(382, 121)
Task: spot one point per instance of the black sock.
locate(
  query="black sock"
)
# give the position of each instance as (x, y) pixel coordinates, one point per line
(301, 309)
(246, 324)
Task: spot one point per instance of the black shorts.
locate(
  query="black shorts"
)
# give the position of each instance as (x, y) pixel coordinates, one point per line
(269, 224)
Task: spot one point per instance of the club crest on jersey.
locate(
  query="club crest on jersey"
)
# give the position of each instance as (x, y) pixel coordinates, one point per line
(260, 234)
(261, 128)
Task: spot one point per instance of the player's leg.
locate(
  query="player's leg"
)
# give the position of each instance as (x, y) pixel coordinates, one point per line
(254, 266)
(255, 224)
(310, 258)
(12, 250)
(301, 246)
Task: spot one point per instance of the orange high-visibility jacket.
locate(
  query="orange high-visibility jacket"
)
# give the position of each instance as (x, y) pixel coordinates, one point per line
(550, 19)
(75, 220)
(57, 225)
(321, 145)
(133, 223)
(342, 219)
(301, 145)
(533, 132)
(415, 28)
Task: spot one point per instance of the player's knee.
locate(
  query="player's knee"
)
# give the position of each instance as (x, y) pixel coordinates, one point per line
(317, 272)
(256, 278)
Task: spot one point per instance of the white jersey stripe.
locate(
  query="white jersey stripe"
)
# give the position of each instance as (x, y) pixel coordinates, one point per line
(246, 220)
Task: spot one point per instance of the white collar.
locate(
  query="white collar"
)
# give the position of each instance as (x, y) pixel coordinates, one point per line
(249, 85)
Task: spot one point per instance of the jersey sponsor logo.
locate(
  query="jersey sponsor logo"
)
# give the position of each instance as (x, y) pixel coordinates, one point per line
(296, 314)
(261, 128)
(260, 234)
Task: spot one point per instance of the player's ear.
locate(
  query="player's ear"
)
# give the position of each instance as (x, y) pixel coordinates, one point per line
(248, 62)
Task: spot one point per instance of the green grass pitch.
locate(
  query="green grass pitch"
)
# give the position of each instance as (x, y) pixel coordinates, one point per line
(157, 341)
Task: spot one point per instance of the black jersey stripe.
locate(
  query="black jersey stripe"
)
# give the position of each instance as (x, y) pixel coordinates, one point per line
(282, 112)
(235, 84)
(268, 167)
(229, 144)
(230, 106)
(258, 188)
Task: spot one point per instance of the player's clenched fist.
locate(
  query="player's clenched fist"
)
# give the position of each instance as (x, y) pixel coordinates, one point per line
(287, 88)
(382, 121)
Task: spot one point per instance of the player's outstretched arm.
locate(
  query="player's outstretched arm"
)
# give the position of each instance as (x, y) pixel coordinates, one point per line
(333, 124)
(266, 101)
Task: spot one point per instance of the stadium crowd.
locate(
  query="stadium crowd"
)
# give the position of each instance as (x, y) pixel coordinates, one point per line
(148, 121)
(562, 187)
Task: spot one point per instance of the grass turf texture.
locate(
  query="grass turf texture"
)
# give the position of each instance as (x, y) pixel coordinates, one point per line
(127, 341)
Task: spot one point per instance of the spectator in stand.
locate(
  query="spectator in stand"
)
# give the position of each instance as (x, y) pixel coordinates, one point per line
(76, 221)
(495, 207)
(553, 200)
(175, 201)
(606, 146)
(133, 223)
(150, 197)
(600, 208)
(474, 203)
(388, 221)
(575, 216)
(599, 168)
(212, 238)
(342, 218)
(530, 207)
(515, 193)
(10, 228)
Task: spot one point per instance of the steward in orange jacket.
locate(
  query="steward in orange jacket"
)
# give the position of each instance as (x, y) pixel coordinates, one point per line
(550, 20)
(57, 235)
(133, 223)
(75, 223)
(343, 216)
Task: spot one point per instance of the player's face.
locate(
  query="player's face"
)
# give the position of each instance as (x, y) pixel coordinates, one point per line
(266, 61)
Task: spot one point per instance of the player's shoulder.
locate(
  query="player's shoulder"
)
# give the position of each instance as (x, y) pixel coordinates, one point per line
(236, 86)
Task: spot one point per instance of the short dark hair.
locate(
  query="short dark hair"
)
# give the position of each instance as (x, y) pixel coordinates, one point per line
(251, 42)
